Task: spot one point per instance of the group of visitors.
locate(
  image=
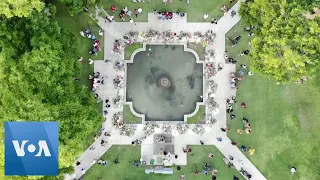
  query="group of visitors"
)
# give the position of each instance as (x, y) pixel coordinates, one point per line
(97, 80)
(87, 33)
(118, 82)
(125, 12)
(229, 104)
(95, 48)
(165, 15)
(234, 41)
(227, 161)
(96, 43)
(250, 30)
(245, 174)
(102, 162)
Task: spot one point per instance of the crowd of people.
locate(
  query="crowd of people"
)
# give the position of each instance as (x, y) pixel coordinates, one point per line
(97, 80)
(164, 15)
(96, 43)
(124, 13)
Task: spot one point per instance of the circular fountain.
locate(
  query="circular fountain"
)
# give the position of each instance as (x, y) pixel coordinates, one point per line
(164, 82)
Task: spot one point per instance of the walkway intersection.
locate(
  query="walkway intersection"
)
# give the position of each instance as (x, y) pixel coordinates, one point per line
(116, 30)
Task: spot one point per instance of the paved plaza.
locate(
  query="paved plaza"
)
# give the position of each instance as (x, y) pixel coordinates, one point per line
(149, 147)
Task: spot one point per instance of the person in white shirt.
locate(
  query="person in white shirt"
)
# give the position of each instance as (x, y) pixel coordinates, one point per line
(131, 20)
(205, 16)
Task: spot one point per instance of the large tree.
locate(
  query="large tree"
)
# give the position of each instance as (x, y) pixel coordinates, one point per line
(19, 8)
(286, 44)
(38, 60)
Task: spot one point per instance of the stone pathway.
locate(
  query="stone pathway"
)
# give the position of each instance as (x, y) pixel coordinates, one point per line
(116, 30)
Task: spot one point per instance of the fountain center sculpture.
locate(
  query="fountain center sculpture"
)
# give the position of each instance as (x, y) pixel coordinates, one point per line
(164, 82)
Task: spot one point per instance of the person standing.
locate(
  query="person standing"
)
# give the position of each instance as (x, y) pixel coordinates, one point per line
(136, 12)
(131, 20)
(233, 13)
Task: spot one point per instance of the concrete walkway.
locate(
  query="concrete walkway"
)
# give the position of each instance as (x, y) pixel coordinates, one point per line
(116, 30)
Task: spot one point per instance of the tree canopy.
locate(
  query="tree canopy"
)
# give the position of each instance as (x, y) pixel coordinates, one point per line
(20, 8)
(38, 60)
(75, 6)
(286, 43)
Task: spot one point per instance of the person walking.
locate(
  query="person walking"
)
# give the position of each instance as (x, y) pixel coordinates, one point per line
(233, 13)
(131, 20)
(136, 12)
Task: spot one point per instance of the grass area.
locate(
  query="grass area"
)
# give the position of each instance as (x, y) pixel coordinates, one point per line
(76, 24)
(199, 116)
(129, 49)
(129, 117)
(90, 139)
(195, 11)
(284, 119)
(126, 170)
(198, 48)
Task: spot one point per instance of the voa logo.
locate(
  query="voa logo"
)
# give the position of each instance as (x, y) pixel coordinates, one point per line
(42, 144)
(31, 148)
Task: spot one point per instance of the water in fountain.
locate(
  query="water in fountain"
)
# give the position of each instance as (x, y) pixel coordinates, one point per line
(164, 82)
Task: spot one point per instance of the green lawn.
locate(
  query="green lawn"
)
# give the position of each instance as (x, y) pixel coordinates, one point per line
(90, 139)
(195, 11)
(198, 48)
(76, 24)
(199, 116)
(126, 170)
(129, 117)
(129, 49)
(284, 119)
